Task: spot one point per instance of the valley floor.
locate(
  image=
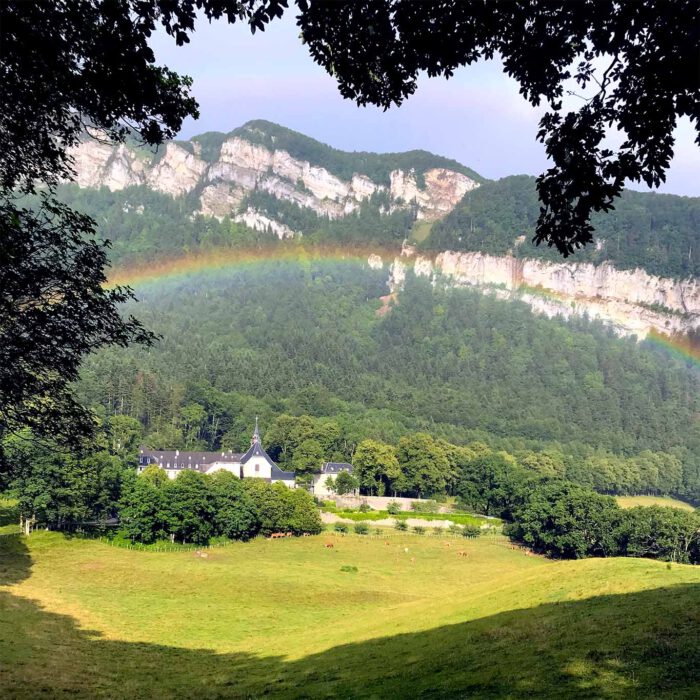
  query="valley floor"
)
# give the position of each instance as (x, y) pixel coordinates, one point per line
(282, 618)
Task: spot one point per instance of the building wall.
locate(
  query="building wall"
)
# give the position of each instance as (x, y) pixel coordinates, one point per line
(319, 486)
(233, 467)
(257, 468)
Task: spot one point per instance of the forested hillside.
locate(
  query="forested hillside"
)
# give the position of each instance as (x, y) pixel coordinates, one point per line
(453, 363)
(656, 232)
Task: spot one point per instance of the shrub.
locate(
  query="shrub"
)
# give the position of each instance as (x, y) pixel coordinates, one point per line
(364, 508)
(340, 527)
(378, 531)
(471, 531)
(419, 530)
(393, 508)
(361, 528)
(401, 525)
(425, 506)
(436, 531)
(349, 569)
(438, 497)
(455, 529)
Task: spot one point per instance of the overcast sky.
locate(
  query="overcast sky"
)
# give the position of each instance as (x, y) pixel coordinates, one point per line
(477, 117)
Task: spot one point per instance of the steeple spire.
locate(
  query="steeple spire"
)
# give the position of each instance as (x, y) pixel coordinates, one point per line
(256, 434)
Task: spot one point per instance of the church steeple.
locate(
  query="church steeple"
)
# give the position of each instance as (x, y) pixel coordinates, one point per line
(256, 435)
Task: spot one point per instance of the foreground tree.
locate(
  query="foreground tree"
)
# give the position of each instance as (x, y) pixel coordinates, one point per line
(634, 63)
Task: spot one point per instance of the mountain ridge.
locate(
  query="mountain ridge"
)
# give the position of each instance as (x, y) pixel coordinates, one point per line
(640, 276)
(247, 160)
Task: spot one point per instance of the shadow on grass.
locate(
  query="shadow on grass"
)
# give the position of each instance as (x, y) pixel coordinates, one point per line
(15, 561)
(642, 645)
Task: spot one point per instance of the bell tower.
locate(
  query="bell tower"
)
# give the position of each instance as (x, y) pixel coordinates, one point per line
(255, 440)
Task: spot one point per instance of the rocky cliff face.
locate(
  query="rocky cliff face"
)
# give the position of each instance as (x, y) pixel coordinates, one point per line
(632, 302)
(242, 167)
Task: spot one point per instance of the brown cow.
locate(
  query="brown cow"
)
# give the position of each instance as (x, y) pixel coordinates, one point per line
(329, 545)
(462, 553)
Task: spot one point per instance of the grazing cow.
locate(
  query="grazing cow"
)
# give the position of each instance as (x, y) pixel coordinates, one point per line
(447, 544)
(306, 534)
(276, 535)
(413, 560)
(287, 534)
(387, 543)
(329, 545)
(462, 553)
(204, 555)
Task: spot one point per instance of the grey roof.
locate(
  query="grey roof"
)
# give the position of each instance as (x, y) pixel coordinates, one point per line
(277, 474)
(335, 467)
(256, 450)
(175, 459)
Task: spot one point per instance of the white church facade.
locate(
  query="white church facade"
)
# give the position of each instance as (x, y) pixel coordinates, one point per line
(254, 464)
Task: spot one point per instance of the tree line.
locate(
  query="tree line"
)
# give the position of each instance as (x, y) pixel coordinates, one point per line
(541, 507)
(98, 490)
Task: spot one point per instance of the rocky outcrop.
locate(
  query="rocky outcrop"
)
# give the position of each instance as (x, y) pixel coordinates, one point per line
(242, 167)
(633, 302)
(442, 191)
(177, 172)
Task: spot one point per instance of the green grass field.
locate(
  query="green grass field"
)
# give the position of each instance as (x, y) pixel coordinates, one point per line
(80, 618)
(631, 501)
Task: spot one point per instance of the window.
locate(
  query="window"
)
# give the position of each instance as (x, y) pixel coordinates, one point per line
(257, 467)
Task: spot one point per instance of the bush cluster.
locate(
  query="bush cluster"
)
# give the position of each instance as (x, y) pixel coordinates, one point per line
(194, 508)
(568, 521)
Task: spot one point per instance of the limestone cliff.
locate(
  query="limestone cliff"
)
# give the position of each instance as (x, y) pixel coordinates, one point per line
(633, 302)
(241, 167)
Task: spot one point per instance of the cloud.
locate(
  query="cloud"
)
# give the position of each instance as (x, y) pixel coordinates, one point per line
(478, 117)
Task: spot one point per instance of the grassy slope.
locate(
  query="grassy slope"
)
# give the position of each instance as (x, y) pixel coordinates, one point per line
(631, 501)
(279, 618)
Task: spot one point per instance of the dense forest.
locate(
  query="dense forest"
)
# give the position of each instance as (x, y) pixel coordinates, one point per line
(656, 232)
(461, 366)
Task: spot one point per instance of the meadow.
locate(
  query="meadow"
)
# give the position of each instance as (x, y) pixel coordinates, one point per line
(293, 618)
(665, 501)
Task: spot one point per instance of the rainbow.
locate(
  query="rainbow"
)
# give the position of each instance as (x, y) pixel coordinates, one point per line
(686, 348)
(225, 261)
(228, 260)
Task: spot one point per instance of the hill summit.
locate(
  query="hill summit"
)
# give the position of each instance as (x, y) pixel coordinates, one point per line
(221, 170)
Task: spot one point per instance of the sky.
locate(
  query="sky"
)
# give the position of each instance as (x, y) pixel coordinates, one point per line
(477, 117)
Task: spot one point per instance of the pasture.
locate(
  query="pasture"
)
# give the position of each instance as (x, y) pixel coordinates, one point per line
(380, 617)
(632, 501)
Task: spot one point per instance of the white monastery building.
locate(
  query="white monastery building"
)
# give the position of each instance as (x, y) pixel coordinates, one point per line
(329, 471)
(255, 463)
